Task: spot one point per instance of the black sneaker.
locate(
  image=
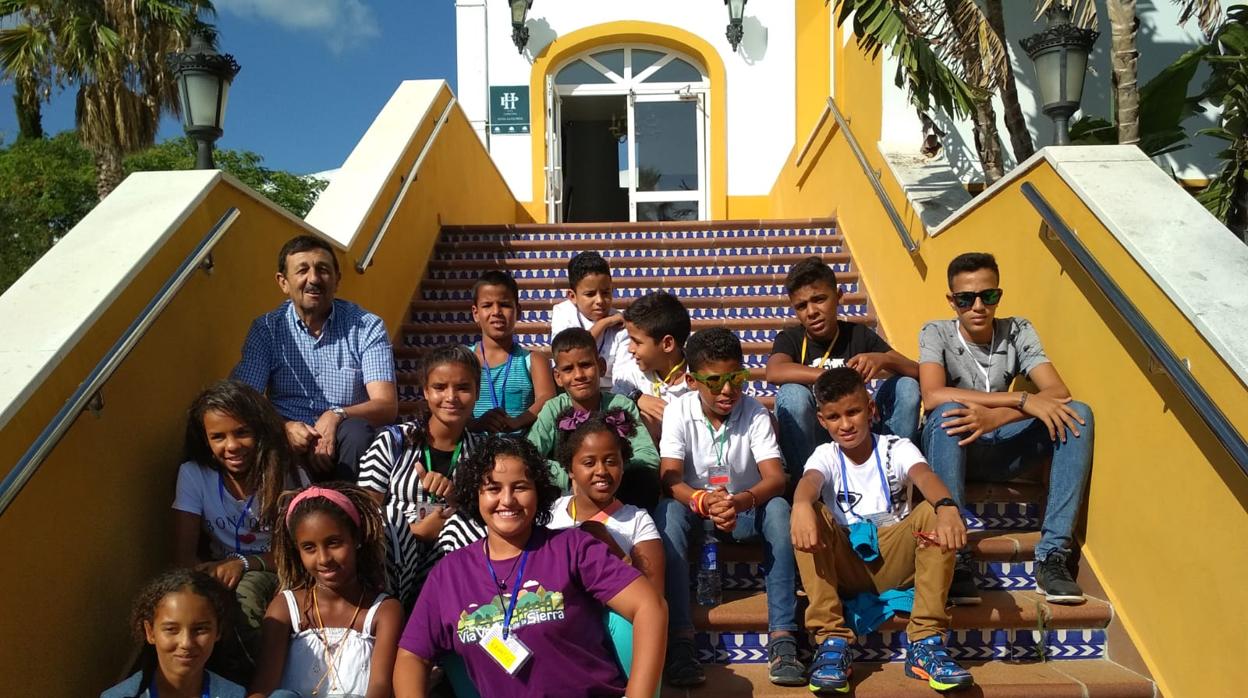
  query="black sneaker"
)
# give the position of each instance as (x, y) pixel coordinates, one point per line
(1053, 579)
(783, 666)
(963, 591)
(682, 668)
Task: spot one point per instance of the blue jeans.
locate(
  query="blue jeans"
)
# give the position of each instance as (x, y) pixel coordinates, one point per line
(680, 527)
(1005, 453)
(897, 400)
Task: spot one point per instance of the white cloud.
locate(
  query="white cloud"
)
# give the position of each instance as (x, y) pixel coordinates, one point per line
(344, 23)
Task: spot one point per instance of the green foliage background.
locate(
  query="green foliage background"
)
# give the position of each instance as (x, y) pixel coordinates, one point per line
(47, 185)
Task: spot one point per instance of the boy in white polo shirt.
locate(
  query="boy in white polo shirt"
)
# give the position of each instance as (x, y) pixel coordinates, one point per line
(712, 425)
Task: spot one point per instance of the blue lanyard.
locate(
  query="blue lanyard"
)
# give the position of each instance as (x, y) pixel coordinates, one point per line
(151, 690)
(498, 398)
(888, 493)
(242, 517)
(601, 340)
(515, 586)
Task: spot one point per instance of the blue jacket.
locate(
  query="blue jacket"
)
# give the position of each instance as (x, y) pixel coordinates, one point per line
(217, 688)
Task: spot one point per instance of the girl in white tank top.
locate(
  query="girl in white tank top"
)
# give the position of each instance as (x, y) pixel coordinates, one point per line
(343, 630)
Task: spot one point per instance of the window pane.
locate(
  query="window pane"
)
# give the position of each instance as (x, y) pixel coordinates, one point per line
(643, 59)
(676, 71)
(667, 146)
(613, 60)
(581, 73)
(667, 210)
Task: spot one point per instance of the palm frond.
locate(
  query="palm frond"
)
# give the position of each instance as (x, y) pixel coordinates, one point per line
(961, 36)
(1082, 12)
(1207, 12)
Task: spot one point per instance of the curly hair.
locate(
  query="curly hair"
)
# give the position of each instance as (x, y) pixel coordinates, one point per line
(835, 383)
(714, 344)
(370, 560)
(475, 471)
(598, 423)
(585, 264)
(273, 459)
(808, 272)
(224, 607)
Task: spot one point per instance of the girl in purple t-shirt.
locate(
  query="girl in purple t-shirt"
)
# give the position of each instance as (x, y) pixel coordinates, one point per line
(524, 606)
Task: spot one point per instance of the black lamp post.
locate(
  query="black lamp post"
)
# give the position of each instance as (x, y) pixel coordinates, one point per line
(519, 32)
(736, 16)
(204, 78)
(1060, 52)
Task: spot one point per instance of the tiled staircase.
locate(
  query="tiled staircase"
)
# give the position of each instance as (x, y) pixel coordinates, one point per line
(732, 274)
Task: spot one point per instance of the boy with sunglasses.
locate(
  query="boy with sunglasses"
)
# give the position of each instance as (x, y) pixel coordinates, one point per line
(711, 429)
(978, 429)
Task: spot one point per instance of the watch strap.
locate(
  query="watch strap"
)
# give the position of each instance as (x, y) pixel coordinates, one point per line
(946, 502)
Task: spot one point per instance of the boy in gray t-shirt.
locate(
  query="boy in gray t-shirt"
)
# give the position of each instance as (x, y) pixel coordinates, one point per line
(977, 429)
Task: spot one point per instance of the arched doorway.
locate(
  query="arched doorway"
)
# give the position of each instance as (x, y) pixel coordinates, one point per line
(627, 136)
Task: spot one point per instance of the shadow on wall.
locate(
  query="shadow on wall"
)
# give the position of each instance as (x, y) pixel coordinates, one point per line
(753, 46)
(541, 35)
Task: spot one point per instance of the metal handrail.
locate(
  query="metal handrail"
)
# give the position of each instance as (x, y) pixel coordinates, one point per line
(88, 390)
(810, 140)
(873, 177)
(1217, 422)
(363, 263)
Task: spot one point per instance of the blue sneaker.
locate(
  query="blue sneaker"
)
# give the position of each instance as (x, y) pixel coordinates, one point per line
(928, 660)
(831, 667)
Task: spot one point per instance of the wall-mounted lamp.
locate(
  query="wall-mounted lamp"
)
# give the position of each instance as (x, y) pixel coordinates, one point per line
(519, 32)
(736, 16)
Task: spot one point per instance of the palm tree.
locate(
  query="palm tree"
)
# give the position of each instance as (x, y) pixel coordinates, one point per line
(26, 57)
(114, 50)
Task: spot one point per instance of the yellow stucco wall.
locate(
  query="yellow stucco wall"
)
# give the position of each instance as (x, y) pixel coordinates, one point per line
(1166, 516)
(674, 38)
(94, 522)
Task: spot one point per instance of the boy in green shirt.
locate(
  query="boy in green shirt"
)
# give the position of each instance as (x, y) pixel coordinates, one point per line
(578, 370)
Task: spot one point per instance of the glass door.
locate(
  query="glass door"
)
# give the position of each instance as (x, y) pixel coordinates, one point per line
(667, 146)
(554, 155)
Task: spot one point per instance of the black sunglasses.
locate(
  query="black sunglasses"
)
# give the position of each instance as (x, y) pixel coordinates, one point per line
(965, 299)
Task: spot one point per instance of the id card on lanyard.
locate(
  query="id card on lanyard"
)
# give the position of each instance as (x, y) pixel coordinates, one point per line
(985, 371)
(879, 467)
(242, 515)
(499, 642)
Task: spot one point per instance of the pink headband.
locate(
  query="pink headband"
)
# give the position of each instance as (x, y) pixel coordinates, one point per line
(334, 496)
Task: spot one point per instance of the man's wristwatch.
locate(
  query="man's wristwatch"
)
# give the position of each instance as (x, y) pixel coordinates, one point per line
(946, 502)
(635, 395)
(341, 413)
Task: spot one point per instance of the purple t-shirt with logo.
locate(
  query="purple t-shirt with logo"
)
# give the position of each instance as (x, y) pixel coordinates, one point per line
(568, 579)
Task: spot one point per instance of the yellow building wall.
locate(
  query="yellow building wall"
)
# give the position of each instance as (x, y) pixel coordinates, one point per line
(1167, 510)
(94, 522)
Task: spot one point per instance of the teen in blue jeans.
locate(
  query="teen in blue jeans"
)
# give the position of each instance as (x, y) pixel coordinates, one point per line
(799, 432)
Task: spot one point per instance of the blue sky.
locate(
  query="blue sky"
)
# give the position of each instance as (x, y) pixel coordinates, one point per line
(312, 80)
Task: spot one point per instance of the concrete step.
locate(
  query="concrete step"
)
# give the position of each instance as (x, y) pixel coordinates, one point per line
(1095, 678)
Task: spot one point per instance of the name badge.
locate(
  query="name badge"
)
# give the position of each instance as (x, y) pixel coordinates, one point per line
(882, 519)
(510, 653)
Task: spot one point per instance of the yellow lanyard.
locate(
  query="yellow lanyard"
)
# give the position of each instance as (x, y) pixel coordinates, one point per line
(656, 385)
(602, 514)
(823, 361)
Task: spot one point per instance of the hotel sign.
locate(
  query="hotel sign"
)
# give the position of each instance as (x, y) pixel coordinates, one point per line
(509, 109)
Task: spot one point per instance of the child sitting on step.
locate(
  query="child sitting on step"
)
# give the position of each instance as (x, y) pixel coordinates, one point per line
(801, 354)
(578, 368)
(719, 462)
(514, 383)
(657, 325)
(978, 429)
(589, 307)
(855, 531)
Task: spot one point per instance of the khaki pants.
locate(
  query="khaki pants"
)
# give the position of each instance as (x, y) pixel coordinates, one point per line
(836, 569)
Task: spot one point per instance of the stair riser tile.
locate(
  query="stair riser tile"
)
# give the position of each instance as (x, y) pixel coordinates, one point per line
(756, 389)
(991, 576)
(963, 645)
(559, 276)
(653, 236)
(562, 256)
(781, 314)
(1003, 516)
(561, 293)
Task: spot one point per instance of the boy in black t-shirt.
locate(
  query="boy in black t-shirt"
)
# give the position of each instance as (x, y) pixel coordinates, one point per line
(801, 354)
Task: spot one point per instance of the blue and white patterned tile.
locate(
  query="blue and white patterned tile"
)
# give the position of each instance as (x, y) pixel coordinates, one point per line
(1005, 576)
(1005, 516)
(657, 236)
(1032, 645)
(751, 648)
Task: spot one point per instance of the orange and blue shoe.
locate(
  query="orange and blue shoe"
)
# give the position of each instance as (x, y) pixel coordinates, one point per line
(929, 661)
(831, 667)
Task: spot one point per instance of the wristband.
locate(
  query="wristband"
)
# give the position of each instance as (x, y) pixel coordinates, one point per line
(243, 559)
(695, 503)
(753, 499)
(1022, 401)
(946, 502)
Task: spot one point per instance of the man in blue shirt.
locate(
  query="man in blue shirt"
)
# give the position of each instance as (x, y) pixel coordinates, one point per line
(326, 364)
